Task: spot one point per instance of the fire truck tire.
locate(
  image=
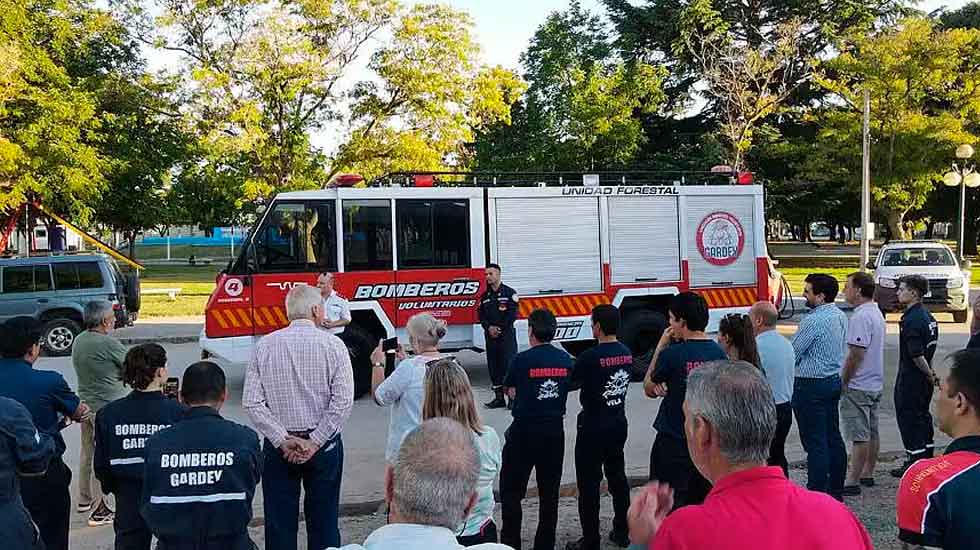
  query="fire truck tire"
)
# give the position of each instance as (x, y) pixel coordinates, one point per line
(640, 333)
(359, 346)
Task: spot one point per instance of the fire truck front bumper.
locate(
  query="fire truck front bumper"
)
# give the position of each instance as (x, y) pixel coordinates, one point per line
(231, 349)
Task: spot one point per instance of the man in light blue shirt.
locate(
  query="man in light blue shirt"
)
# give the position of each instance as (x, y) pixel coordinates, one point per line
(820, 345)
(429, 490)
(778, 362)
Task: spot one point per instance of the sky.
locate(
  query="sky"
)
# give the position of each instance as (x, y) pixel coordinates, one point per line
(504, 27)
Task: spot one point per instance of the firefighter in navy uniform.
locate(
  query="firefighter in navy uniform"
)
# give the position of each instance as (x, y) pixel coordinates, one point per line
(121, 431)
(498, 311)
(200, 474)
(602, 373)
(24, 452)
(917, 340)
(538, 380)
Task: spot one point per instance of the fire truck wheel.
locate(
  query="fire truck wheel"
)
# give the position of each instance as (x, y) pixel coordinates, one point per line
(640, 333)
(359, 345)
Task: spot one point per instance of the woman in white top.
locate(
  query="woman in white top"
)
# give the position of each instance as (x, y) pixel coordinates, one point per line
(403, 390)
(448, 393)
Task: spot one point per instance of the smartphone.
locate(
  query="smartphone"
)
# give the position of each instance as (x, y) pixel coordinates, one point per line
(172, 387)
(390, 345)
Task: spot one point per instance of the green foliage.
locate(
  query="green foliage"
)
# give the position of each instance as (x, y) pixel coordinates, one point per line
(209, 194)
(146, 143)
(924, 86)
(262, 77)
(967, 17)
(583, 107)
(431, 97)
(50, 125)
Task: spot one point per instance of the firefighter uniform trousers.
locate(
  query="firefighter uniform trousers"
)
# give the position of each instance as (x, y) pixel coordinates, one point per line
(599, 446)
(121, 431)
(201, 475)
(539, 445)
(500, 351)
(913, 394)
(499, 308)
(23, 452)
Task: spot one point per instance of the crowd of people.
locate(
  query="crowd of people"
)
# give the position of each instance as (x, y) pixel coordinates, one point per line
(168, 466)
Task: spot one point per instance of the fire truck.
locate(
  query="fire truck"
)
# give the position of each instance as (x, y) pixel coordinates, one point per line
(398, 249)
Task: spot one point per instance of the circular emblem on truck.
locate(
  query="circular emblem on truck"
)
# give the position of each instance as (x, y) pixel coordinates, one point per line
(234, 287)
(720, 238)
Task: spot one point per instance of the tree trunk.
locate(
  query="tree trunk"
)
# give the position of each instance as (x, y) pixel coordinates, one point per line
(930, 230)
(896, 224)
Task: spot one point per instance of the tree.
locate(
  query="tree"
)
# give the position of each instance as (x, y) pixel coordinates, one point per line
(146, 144)
(967, 17)
(262, 76)
(748, 80)
(431, 98)
(583, 103)
(684, 134)
(924, 83)
(50, 125)
(209, 195)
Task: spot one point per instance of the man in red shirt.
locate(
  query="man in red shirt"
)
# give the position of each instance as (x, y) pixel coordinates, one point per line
(937, 499)
(730, 419)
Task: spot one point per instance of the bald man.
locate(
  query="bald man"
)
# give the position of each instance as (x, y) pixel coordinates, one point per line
(778, 361)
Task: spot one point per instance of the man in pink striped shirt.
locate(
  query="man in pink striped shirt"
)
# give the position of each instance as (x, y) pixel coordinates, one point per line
(299, 389)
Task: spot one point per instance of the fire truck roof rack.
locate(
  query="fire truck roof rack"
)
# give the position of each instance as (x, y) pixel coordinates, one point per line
(549, 179)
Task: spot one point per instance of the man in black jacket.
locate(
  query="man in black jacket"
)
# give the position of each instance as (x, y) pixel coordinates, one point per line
(201, 473)
(498, 311)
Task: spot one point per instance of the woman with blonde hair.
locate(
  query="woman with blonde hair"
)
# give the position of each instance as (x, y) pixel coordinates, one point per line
(448, 393)
(403, 390)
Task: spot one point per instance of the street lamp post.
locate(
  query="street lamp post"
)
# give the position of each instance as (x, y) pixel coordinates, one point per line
(963, 176)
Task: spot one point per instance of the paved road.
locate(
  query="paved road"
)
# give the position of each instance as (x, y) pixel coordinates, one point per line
(364, 436)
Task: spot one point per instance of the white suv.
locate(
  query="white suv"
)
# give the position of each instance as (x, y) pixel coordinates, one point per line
(949, 284)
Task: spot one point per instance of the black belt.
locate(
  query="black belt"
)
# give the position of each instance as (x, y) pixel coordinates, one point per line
(301, 435)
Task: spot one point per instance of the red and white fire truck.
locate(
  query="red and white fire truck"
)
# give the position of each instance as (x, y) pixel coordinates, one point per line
(398, 250)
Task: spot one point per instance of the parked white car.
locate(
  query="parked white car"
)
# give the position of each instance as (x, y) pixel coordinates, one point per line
(949, 282)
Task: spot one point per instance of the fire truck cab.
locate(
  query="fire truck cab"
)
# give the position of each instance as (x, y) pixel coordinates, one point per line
(397, 251)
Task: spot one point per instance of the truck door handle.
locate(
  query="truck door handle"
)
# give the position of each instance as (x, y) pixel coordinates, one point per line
(461, 279)
(722, 283)
(646, 279)
(551, 291)
(42, 300)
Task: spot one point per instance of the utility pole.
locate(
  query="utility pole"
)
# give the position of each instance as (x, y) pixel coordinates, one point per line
(866, 185)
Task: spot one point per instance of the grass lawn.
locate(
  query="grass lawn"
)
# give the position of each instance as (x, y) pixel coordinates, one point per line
(195, 284)
(795, 275)
(220, 254)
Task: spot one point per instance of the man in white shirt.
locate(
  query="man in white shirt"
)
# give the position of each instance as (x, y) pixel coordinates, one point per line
(862, 380)
(336, 308)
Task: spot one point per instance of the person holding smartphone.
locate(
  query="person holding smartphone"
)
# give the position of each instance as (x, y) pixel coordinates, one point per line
(404, 390)
(121, 430)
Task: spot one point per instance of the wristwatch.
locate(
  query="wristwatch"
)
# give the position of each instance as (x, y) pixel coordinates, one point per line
(379, 365)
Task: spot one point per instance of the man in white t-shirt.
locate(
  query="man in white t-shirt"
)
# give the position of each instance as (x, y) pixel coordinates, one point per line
(336, 308)
(862, 379)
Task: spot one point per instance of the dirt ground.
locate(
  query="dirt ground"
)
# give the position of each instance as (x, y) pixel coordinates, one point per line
(875, 508)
